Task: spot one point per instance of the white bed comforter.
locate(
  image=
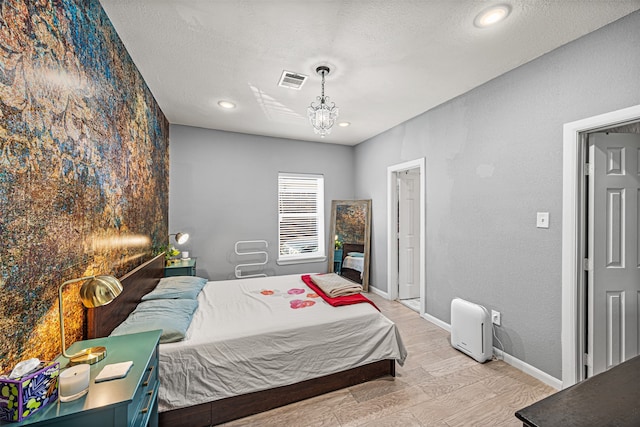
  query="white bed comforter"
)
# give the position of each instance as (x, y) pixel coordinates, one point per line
(354, 263)
(254, 334)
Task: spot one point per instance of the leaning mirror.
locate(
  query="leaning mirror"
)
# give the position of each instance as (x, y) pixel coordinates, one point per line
(351, 237)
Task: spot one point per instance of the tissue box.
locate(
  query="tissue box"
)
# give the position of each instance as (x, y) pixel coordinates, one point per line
(24, 396)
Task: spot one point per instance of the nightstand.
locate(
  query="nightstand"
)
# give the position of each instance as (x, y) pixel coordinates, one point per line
(180, 267)
(337, 261)
(130, 401)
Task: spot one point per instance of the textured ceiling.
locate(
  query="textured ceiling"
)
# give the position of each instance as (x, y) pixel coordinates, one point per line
(390, 60)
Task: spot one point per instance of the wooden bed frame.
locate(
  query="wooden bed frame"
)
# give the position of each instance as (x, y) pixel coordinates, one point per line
(101, 321)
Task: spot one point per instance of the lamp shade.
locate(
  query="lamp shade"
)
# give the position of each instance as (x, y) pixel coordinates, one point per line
(182, 238)
(95, 291)
(99, 291)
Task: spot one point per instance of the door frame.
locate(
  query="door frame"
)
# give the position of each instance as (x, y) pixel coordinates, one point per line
(573, 211)
(392, 221)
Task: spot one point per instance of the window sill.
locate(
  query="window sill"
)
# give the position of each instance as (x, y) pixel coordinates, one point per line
(301, 260)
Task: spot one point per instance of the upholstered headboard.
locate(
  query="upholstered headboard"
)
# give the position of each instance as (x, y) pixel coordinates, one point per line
(138, 282)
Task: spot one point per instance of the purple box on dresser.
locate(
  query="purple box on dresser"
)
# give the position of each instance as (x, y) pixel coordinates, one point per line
(24, 396)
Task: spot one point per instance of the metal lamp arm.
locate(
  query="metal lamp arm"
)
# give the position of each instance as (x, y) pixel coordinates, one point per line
(68, 282)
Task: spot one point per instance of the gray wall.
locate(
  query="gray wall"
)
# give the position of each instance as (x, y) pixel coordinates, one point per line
(224, 188)
(493, 159)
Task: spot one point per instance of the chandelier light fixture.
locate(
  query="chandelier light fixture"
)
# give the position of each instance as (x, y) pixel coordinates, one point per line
(322, 114)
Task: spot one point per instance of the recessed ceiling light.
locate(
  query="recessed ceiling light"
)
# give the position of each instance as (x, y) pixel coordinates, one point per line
(344, 124)
(492, 15)
(227, 104)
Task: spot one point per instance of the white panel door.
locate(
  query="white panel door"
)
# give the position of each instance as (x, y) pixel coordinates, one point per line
(614, 258)
(409, 234)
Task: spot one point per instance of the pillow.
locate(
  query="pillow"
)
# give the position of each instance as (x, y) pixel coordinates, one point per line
(184, 287)
(356, 254)
(173, 316)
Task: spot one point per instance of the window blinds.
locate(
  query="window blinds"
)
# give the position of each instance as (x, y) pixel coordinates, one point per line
(300, 216)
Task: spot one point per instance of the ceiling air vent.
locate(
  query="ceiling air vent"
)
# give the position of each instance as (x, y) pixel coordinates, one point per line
(292, 80)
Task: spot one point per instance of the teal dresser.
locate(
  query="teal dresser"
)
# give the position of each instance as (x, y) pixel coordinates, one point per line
(337, 261)
(131, 401)
(180, 267)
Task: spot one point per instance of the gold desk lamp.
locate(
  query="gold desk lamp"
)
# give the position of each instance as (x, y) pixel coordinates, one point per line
(181, 238)
(96, 291)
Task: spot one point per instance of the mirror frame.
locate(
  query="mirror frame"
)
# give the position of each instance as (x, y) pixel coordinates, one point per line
(367, 236)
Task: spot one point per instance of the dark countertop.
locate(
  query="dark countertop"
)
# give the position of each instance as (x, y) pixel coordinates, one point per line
(611, 398)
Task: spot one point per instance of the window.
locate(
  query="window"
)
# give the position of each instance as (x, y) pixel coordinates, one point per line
(300, 217)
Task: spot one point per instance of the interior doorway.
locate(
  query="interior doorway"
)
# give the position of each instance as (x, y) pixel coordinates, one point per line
(408, 188)
(590, 331)
(406, 234)
(612, 273)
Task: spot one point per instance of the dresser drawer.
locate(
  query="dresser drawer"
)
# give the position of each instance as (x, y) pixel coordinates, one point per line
(145, 402)
(148, 408)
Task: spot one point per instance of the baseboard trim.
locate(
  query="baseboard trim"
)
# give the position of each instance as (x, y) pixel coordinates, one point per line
(509, 359)
(437, 322)
(379, 292)
(528, 369)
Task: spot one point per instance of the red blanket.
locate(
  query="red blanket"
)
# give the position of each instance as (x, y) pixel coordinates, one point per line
(345, 300)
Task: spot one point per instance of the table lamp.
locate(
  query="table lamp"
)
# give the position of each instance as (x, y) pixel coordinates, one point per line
(96, 291)
(181, 238)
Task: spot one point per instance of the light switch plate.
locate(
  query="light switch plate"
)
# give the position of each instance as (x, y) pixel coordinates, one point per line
(542, 220)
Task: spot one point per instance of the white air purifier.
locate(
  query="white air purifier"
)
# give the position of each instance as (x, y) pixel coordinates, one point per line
(471, 329)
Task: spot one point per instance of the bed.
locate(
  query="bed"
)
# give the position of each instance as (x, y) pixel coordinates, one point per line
(213, 355)
(352, 267)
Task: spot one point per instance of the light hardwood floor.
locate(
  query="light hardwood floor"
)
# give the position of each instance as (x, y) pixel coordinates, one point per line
(437, 386)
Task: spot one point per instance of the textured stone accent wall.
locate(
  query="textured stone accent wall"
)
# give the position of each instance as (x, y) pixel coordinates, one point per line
(83, 167)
